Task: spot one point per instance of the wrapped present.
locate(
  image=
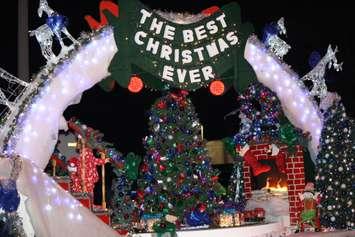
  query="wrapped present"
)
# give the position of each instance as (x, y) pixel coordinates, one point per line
(224, 220)
(171, 218)
(239, 219)
(260, 214)
(255, 215)
(148, 220)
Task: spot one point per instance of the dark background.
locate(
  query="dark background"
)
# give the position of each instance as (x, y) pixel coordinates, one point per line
(121, 115)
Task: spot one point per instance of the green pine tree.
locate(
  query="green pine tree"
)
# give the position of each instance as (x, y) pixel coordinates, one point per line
(177, 176)
(335, 170)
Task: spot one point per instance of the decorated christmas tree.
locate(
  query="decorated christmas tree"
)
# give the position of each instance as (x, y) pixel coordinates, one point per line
(177, 177)
(335, 170)
(124, 207)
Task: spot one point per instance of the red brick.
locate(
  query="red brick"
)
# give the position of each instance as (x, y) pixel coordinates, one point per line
(299, 176)
(290, 185)
(289, 165)
(293, 221)
(293, 214)
(299, 165)
(290, 176)
(297, 181)
(289, 171)
(291, 192)
(296, 171)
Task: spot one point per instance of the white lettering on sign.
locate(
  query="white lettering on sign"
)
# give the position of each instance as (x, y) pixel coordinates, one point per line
(158, 38)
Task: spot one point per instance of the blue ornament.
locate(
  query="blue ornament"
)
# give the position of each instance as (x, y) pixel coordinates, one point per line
(270, 30)
(9, 197)
(57, 22)
(314, 58)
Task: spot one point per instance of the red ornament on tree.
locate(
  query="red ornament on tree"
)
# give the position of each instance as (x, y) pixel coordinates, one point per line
(161, 105)
(140, 194)
(214, 178)
(162, 167)
(180, 148)
(202, 207)
(144, 167)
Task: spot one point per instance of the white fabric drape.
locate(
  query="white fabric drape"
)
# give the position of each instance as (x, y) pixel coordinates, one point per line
(53, 211)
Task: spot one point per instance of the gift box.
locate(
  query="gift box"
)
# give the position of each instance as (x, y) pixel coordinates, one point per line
(224, 220)
(239, 219)
(255, 215)
(260, 214)
(148, 220)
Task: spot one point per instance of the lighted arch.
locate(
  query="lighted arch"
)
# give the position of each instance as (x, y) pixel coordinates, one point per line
(53, 211)
(297, 104)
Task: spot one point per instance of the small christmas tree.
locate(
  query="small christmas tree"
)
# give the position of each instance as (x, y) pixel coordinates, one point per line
(335, 170)
(124, 207)
(177, 176)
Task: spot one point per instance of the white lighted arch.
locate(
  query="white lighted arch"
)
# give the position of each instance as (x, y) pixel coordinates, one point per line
(297, 104)
(53, 211)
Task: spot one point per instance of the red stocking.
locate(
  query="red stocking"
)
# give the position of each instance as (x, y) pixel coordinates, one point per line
(281, 162)
(257, 167)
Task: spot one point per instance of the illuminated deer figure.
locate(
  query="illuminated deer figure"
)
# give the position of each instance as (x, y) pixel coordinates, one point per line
(56, 22)
(316, 75)
(44, 36)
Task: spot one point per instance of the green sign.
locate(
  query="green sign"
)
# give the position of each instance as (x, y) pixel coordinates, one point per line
(167, 54)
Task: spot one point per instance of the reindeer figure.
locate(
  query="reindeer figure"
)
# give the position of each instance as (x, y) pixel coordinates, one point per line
(271, 39)
(44, 37)
(56, 22)
(316, 75)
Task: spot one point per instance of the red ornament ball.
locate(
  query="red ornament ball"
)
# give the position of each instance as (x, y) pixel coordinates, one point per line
(161, 105)
(202, 207)
(135, 84)
(217, 88)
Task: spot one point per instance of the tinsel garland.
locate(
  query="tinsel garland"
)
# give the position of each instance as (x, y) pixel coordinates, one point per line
(11, 225)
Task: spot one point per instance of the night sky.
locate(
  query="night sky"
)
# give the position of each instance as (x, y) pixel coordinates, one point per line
(122, 116)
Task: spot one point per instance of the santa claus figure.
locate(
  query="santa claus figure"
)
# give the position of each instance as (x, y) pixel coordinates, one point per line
(259, 168)
(82, 169)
